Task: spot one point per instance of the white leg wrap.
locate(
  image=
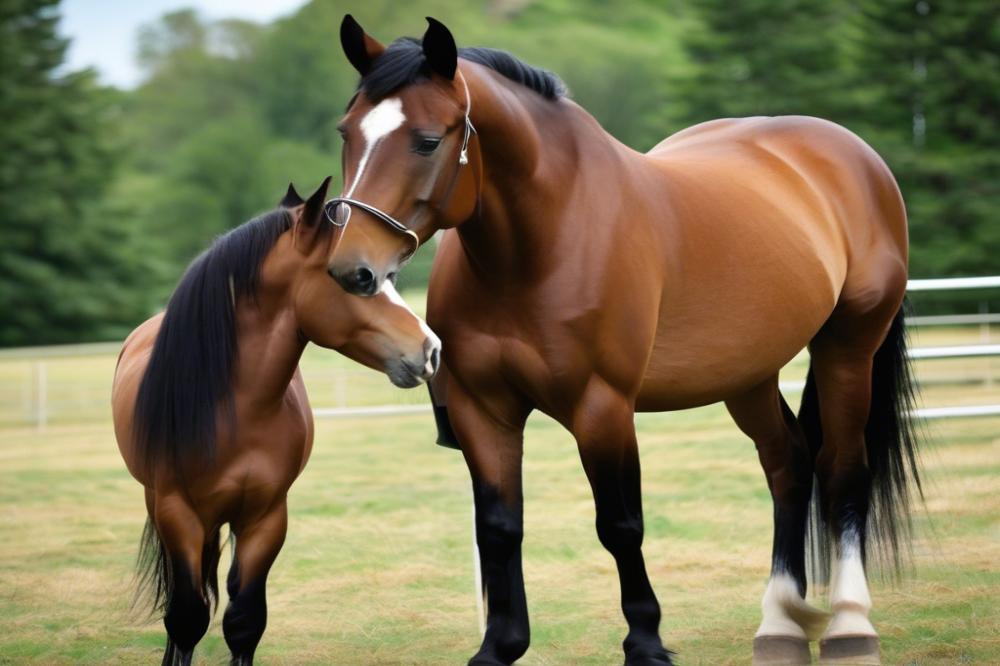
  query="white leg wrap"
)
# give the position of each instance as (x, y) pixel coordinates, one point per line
(786, 613)
(849, 596)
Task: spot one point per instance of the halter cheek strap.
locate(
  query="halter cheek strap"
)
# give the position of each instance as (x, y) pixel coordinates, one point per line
(330, 208)
(463, 154)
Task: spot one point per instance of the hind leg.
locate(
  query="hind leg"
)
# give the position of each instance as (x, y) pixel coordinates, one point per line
(257, 545)
(187, 612)
(843, 382)
(788, 621)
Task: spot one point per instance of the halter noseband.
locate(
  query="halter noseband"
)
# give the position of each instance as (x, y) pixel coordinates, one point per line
(330, 208)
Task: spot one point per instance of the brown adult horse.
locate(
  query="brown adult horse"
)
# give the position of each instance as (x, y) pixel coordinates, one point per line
(588, 281)
(212, 417)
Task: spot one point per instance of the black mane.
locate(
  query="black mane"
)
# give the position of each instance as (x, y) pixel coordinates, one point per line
(403, 63)
(190, 370)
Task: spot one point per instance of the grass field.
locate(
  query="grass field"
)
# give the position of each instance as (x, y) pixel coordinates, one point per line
(377, 565)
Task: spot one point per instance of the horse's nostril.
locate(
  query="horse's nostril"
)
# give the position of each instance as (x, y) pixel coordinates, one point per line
(364, 277)
(435, 359)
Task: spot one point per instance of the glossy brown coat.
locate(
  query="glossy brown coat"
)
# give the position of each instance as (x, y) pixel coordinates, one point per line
(589, 281)
(264, 442)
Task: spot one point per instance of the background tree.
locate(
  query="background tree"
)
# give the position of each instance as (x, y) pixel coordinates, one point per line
(64, 254)
(765, 57)
(928, 76)
(106, 195)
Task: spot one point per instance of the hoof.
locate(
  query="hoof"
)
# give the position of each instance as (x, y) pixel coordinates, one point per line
(843, 650)
(781, 651)
(648, 660)
(658, 656)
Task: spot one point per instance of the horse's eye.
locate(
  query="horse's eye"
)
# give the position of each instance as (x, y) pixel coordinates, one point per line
(425, 145)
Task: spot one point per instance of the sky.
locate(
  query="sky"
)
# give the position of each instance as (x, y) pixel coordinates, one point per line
(103, 31)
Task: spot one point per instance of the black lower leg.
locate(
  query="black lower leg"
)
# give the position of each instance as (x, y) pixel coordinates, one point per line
(791, 490)
(246, 616)
(788, 552)
(847, 493)
(186, 619)
(620, 530)
(499, 533)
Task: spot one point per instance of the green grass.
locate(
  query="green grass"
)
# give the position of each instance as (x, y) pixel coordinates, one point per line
(377, 565)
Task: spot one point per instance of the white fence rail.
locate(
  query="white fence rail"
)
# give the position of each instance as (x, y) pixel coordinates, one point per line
(41, 385)
(926, 353)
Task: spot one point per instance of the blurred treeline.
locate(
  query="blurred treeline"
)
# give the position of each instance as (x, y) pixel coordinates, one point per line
(107, 194)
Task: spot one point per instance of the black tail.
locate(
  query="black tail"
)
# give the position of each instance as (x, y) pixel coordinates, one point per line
(154, 578)
(891, 439)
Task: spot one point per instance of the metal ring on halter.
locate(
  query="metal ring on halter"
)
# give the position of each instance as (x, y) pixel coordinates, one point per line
(330, 209)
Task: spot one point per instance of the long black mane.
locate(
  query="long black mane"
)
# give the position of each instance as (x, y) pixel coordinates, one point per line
(403, 63)
(190, 371)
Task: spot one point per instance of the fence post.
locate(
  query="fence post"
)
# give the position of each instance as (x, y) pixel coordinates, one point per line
(984, 328)
(340, 390)
(41, 395)
(477, 572)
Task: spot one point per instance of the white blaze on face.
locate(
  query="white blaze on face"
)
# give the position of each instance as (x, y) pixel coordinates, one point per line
(389, 289)
(378, 123)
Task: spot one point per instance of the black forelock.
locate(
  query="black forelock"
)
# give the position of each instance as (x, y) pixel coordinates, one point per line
(403, 63)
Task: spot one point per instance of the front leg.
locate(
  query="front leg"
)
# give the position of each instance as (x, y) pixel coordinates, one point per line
(603, 424)
(491, 434)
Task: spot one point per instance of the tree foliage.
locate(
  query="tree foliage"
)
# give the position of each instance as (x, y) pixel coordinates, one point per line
(65, 253)
(107, 194)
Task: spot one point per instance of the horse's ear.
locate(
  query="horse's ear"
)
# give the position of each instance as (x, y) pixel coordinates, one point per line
(292, 198)
(313, 213)
(440, 49)
(359, 47)
(309, 227)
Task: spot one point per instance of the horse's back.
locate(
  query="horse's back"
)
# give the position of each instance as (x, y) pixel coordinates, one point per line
(818, 160)
(778, 222)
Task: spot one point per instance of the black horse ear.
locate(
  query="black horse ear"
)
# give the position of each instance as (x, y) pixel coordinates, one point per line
(292, 198)
(359, 47)
(440, 49)
(313, 212)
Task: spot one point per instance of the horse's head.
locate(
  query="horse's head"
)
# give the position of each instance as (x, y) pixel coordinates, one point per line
(381, 332)
(407, 137)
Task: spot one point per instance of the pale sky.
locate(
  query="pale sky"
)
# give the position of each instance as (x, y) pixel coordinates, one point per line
(103, 31)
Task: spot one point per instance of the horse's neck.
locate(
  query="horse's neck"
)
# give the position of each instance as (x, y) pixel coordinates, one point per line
(538, 155)
(269, 348)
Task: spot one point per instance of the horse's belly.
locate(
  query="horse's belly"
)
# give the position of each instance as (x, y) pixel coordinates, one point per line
(692, 376)
(717, 340)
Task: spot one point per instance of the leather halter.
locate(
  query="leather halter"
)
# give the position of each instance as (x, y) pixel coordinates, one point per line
(330, 208)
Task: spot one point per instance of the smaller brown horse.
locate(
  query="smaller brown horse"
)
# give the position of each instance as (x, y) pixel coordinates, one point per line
(212, 417)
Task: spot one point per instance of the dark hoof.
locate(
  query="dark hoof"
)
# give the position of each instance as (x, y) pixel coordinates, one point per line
(654, 657)
(174, 656)
(781, 651)
(649, 661)
(843, 650)
(486, 661)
